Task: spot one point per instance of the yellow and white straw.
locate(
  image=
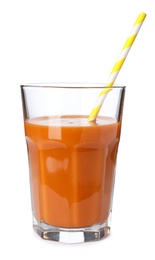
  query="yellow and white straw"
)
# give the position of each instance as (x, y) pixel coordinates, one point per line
(118, 65)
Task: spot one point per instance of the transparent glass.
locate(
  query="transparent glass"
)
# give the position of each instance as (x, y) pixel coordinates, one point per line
(72, 161)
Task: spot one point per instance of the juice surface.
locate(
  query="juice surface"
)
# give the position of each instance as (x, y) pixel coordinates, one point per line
(72, 169)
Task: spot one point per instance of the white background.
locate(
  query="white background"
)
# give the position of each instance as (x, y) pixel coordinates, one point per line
(78, 41)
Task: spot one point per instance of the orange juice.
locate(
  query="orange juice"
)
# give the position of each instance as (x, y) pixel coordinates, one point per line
(72, 169)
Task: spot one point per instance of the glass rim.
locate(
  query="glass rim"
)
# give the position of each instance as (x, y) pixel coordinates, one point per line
(76, 85)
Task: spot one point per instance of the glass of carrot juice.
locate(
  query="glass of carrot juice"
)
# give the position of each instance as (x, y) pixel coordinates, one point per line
(72, 161)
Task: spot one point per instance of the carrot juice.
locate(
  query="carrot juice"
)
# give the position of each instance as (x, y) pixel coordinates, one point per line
(72, 168)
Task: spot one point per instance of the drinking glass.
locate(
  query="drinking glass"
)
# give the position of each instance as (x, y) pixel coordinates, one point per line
(72, 161)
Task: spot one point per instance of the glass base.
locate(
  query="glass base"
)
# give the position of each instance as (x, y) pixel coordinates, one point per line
(72, 235)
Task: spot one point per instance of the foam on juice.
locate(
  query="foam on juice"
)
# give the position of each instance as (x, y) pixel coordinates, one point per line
(71, 121)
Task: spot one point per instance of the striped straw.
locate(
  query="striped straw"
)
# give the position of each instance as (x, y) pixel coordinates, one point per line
(118, 65)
